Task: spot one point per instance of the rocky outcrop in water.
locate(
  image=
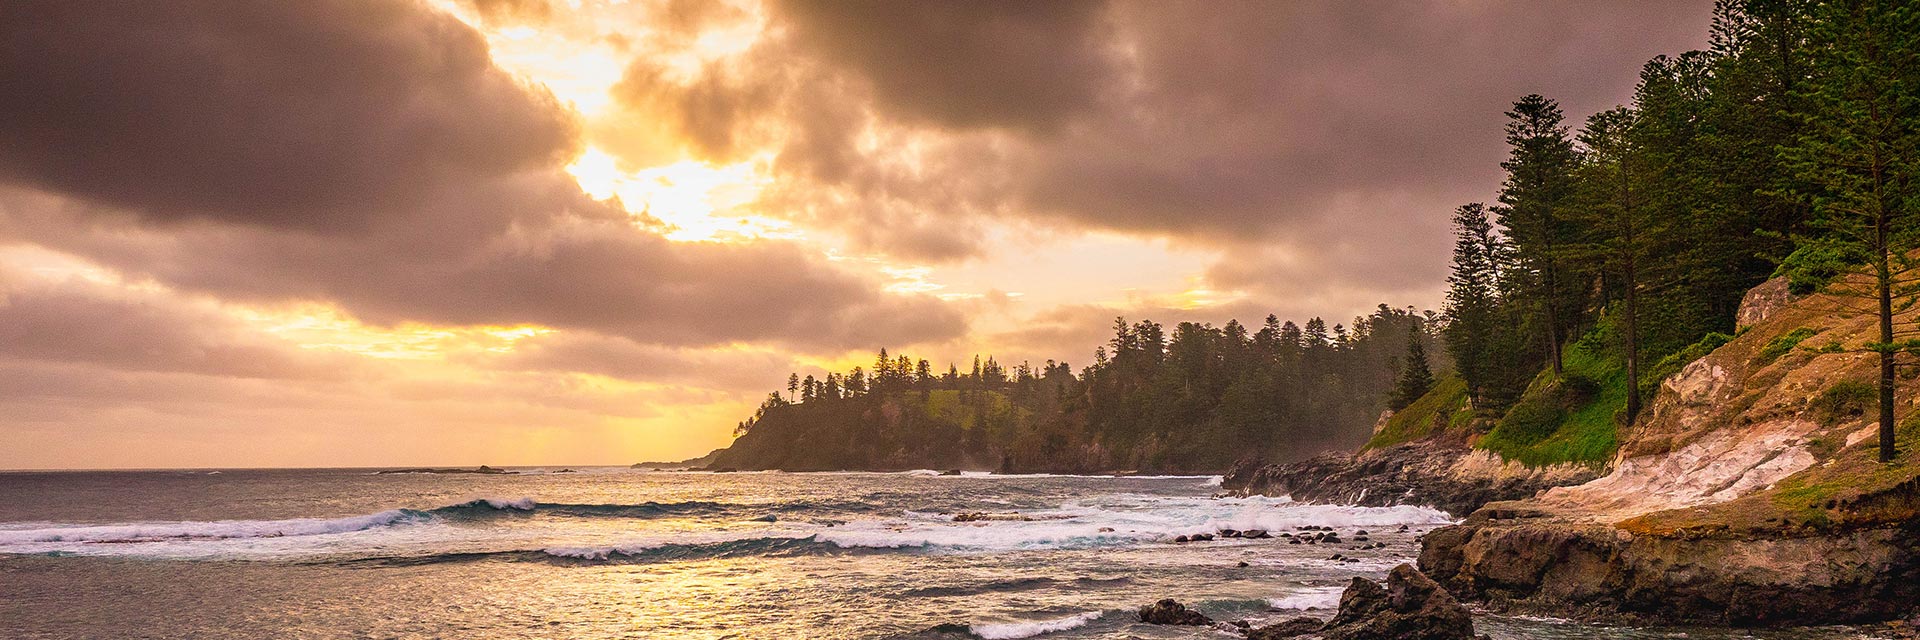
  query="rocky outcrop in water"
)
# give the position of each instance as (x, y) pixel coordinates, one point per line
(1441, 473)
(1410, 607)
(483, 470)
(1170, 612)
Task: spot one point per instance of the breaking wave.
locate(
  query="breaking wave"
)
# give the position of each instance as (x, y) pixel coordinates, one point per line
(1013, 630)
(226, 529)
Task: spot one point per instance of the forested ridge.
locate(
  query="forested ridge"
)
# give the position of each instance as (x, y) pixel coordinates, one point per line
(1615, 251)
(1195, 399)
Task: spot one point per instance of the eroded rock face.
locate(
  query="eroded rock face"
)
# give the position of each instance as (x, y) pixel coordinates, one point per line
(1444, 475)
(1718, 467)
(1858, 576)
(1762, 302)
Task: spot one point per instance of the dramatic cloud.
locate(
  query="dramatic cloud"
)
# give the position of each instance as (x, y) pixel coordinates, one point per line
(372, 157)
(316, 115)
(338, 231)
(995, 63)
(1223, 124)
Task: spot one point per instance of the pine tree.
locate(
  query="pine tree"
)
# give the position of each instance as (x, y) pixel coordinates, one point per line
(1415, 376)
(1860, 153)
(1620, 223)
(882, 371)
(1473, 299)
(1533, 200)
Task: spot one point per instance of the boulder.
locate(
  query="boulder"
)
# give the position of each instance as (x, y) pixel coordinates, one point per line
(1411, 607)
(1170, 612)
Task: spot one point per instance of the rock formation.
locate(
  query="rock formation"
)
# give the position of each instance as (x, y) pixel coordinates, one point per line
(1411, 607)
(1747, 494)
(1443, 473)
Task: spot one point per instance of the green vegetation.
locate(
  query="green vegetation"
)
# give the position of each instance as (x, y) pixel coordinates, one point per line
(1812, 267)
(1791, 147)
(1780, 346)
(1843, 401)
(1674, 362)
(1572, 418)
(1437, 411)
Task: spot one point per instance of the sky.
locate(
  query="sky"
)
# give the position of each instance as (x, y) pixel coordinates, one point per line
(570, 232)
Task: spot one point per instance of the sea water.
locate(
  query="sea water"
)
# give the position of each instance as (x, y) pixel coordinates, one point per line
(619, 553)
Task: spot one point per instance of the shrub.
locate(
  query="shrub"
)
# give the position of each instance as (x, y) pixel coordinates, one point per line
(1783, 344)
(1576, 390)
(1845, 400)
(1813, 265)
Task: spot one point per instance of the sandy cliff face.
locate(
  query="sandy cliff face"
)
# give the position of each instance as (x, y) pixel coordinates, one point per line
(1746, 494)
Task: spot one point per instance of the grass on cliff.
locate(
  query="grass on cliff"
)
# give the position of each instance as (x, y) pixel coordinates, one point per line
(1571, 418)
(1433, 413)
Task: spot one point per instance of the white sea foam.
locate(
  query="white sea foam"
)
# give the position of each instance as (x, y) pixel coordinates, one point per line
(152, 531)
(1110, 520)
(1261, 516)
(1314, 598)
(1011, 630)
(503, 504)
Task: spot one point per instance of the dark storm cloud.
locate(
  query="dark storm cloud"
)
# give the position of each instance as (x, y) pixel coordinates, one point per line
(315, 114)
(368, 154)
(1258, 117)
(986, 63)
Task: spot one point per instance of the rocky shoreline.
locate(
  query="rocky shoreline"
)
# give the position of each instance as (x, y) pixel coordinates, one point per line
(1410, 607)
(1443, 474)
(1605, 573)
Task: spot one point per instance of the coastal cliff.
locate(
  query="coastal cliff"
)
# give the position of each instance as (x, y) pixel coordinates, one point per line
(1748, 494)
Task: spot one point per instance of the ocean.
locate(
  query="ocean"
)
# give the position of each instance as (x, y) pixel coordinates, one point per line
(620, 553)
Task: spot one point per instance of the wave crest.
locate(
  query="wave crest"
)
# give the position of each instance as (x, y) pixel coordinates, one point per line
(1014, 630)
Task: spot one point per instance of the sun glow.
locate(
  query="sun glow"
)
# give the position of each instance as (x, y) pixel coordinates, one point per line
(319, 326)
(696, 201)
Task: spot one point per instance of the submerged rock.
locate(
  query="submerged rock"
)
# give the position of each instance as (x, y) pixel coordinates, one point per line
(1292, 628)
(1170, 612)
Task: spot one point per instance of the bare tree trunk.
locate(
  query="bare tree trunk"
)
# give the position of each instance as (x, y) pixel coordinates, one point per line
(1883, 272)
(1633, 299)
(1551, 274)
